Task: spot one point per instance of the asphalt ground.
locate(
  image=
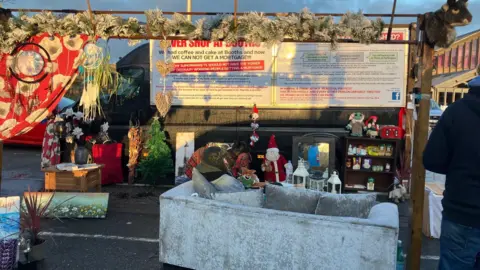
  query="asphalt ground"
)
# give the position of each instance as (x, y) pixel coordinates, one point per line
(128, 237)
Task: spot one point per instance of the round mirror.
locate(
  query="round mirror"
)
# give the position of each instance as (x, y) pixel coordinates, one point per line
(29, 63)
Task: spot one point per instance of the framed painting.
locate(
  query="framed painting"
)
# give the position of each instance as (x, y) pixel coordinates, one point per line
(73, 204)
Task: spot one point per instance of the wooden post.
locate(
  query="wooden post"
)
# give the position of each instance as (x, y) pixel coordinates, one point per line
(235, 9)
(418, 173)
(409, 125)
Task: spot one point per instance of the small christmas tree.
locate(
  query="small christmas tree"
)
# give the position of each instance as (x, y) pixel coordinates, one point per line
(158, 162)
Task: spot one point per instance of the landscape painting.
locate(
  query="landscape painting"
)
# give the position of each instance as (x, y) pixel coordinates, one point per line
(74, 204)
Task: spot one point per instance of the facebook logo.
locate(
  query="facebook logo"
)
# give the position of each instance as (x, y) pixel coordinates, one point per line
(395, 95)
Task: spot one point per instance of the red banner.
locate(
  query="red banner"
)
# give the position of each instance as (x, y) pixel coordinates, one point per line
(40, 72)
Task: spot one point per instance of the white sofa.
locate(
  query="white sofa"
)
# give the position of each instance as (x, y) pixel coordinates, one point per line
(206, 234)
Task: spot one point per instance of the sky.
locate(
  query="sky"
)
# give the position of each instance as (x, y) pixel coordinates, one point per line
(120, 48)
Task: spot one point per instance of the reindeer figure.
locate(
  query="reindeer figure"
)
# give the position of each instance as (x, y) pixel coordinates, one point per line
(439, 26)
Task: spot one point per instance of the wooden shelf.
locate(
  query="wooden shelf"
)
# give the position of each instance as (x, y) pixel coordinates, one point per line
(372, 139)
(367, 156)
(383, 180)
(368, 171)
(381, 190)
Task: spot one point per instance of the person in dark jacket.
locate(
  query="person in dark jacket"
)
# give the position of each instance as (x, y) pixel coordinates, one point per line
(453, 149)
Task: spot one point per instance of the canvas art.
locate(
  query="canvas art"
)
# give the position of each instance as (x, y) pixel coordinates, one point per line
(9, 231)
(75, 204)
(185, 146)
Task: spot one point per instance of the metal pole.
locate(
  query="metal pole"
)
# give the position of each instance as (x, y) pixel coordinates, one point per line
(189, 9)
(391, 20)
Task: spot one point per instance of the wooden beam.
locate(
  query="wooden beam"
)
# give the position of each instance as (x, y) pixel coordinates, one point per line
(418, 173)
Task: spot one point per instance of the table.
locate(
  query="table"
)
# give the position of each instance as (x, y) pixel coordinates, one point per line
(432, 210)
(76, 180)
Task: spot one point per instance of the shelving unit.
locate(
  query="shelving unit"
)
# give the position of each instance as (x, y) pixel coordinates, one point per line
(383, 179)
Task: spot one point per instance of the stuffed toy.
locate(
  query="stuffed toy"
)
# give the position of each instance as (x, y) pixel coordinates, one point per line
(274, 164)
(439, 26)
(356, 124)
(248, 177)
(371, 127)
(399, 193)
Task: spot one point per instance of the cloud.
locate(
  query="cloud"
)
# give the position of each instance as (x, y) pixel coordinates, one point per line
(120, 48)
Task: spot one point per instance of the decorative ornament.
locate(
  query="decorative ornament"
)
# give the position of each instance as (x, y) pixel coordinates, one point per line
(334, 182)
(254, 125)
(28, 64)
(253, 27)
(301, 175)
(253, 139)
(92, 65)
(165, 68)
(163, 100)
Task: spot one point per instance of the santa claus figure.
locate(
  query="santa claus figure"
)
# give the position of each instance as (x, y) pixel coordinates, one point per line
(274, 165)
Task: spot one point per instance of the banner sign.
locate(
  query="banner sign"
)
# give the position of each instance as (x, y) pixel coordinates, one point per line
(207, 73)
(215, 73)
(352, 75)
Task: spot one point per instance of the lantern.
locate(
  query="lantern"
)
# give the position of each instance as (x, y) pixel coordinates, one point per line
(317, 182)
(333, 182)
(59, 128)
(301, 175)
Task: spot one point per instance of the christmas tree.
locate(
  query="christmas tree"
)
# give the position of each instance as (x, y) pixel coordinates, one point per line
(158, 162)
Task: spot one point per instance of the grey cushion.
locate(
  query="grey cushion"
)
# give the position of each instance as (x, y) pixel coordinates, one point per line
(252, 198)
(345, 205)
(291, 199)
(227, 183)
(201, 186)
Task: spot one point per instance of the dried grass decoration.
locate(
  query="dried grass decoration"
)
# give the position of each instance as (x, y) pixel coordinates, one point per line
(163, 100)
(92, 67)
(134, 146)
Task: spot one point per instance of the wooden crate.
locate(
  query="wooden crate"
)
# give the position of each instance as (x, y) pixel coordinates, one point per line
(77, 180)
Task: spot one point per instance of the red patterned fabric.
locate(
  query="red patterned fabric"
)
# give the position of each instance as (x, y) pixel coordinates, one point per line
(24, 105)
(110, 155)
(50, 147)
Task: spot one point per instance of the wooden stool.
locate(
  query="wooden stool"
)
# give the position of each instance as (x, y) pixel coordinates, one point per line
(77, 180)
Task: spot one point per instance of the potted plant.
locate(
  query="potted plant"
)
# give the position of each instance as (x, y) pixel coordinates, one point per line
(32, 245)
(403, 172)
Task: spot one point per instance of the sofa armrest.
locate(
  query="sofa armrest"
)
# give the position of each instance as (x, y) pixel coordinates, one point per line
(385, 214)
(185, 189)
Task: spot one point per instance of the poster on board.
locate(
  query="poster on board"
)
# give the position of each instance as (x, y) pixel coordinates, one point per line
(353, 75)
(208, 73)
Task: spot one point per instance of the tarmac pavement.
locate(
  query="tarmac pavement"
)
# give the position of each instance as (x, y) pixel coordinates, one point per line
(128, 237)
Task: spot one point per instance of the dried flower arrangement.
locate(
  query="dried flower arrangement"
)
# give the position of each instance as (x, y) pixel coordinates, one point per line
(253, 27)
(134, 150)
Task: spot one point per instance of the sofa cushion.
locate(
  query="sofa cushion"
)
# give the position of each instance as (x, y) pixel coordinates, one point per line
(291, 199)
(345, 205)
(228, 183)
(202, 187)
(252, 198)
